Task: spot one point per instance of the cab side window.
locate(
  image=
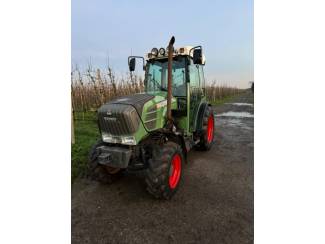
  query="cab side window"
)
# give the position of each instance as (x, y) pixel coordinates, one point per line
(202, 79)
(194, 75)
(179, 82)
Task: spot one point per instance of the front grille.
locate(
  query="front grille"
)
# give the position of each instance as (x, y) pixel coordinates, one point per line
(118, 119)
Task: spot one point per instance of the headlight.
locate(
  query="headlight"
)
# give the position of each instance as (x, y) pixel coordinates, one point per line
(162, 51)
(154, 51)
(126, 140)
(110, 139)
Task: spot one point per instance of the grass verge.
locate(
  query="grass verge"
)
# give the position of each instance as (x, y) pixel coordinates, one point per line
(86, 135)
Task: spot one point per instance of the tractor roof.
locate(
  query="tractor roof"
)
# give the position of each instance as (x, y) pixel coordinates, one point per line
(162, 53)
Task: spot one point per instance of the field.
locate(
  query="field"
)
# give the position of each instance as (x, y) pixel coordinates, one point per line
(91, 89)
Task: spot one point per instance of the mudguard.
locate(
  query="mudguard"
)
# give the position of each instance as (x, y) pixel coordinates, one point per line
(199, 119)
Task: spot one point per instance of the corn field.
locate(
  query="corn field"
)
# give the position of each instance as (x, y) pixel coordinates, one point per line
(91, 89)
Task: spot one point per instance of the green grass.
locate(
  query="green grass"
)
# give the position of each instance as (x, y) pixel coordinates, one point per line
(222, 101)
(86, 135)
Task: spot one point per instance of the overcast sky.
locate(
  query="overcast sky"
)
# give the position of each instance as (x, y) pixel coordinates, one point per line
(102, 28)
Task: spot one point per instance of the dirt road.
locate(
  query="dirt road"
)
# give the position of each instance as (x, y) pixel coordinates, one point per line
(213, 205)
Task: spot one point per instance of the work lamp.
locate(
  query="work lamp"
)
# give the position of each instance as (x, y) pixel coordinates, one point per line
(162, 51)
(154, 51)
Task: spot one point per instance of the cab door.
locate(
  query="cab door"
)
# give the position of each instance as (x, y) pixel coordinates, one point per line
(196, 85)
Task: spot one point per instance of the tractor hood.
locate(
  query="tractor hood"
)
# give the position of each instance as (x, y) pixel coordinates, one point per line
(135, 100)
(133, 115)
(122, 116)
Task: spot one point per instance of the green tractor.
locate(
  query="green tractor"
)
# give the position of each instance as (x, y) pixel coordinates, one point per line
(150, 133)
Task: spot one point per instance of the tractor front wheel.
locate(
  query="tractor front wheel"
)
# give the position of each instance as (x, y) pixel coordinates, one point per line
(165, 170)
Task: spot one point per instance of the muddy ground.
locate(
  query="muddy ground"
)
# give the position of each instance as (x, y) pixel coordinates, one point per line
(214, 203)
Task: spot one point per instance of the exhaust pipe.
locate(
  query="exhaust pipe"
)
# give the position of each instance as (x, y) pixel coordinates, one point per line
(169, 84)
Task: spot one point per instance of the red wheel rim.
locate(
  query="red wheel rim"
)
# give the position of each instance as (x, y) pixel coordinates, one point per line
(175, 171)
(210, 129)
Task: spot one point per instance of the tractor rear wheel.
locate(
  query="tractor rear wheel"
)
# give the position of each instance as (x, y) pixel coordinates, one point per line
(103, 174)
(207, 136)
(164, 173)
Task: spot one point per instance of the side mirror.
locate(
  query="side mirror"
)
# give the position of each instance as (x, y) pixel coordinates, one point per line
(132, 64)
(197, 56)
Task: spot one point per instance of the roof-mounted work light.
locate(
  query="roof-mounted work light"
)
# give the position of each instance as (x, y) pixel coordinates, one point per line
(154, 51)
(162, 51)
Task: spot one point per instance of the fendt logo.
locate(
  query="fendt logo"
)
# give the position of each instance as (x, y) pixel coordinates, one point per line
(109, 118)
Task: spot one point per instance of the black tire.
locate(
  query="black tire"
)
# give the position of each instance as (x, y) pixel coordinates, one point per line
(158, 173)
(206, 142)
(97, 171)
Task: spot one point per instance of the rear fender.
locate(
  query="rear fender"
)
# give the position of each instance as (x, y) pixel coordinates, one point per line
(199, 119)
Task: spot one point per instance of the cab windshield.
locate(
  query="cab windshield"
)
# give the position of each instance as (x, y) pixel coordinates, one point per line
(157, 73)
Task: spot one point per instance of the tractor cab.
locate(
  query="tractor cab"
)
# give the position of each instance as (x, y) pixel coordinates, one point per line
(187, 81)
